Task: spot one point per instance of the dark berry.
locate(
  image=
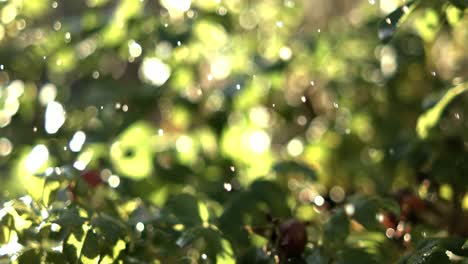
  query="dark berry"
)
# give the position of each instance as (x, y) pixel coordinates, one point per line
(292, 238)
(92, 177)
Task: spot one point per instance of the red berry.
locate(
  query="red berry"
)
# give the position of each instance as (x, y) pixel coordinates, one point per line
(389, 220)
(292, 238)
(411, 206)
(92, 177)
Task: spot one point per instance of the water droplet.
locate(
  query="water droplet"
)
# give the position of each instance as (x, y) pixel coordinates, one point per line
(140, 227)
(37, 158)
(238, 86)
(388, 21)
(319, 200)
(335, 105)
(54, 227)
(134, 49)
(295, 147)
(289, 3)
(114, 182)
(227, 186)
(279, 23)
(191, 14)
(57, 25)
(125, 108)
(433, 73)
(232, 168)
(179, 43)
(67, 37)
(312, 83)
(407, 237)
(390, 232)
(54, 117)
(77, 141)
(5, 147)
(54, 4)
(222, 11)
(285, 53)
(303, 99)
(350, 209)
(160, 132)
(154, 71)
(302, 120)
(204, 256)
(95, 75)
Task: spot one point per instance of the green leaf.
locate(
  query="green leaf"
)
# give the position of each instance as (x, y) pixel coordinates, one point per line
(189, 236)
(55, 258)
(390, 205)
(29, 256)
(90, 245)
(337, 229)
(185, 208)
(272, 195)
(462, 4)
(428, 252)
(367, 207)
(286, 167)
(231, 221)
(455, 245)
(212, 244)
(257, 256)
(109, 228)
(7, 223)
(389, 24)
(430, 118)
(354, 255)
(317, 257)
(465, 245)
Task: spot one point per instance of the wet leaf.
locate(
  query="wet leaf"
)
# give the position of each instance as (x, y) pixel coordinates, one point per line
(428, 252)
(390, 23)
(462, 4)
(188, 237)
(465, 245)
(430, 118)
(286, 167)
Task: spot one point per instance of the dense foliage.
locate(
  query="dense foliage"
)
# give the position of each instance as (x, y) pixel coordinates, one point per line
(219, 131)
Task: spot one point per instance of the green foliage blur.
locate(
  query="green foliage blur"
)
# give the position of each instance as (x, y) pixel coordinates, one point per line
(197, 131)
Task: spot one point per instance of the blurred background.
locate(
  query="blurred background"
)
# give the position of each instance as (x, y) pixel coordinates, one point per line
(206, 96)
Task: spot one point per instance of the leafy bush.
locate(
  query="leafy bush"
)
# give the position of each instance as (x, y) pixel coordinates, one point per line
(233, 131)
